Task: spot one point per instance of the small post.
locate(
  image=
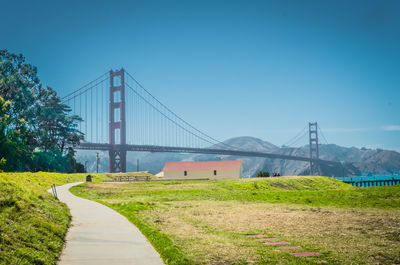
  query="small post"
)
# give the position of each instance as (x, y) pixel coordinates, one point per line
(53, 188)
(89, 178)
(137, 165)
(97, 162)
(342, 169)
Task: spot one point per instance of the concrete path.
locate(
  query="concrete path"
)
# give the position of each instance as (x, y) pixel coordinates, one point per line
(99, 235)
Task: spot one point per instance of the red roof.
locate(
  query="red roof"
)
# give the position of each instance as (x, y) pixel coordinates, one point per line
(203, 165)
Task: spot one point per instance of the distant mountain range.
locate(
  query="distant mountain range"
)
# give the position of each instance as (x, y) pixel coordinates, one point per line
(356, 161)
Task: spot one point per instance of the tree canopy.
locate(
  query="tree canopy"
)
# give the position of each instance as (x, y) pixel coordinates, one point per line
(36, 131)
(262, 174)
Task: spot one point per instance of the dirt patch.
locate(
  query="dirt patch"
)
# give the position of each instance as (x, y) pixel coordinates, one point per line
(212, 232)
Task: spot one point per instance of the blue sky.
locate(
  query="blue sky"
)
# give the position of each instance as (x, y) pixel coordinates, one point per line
(231, 68)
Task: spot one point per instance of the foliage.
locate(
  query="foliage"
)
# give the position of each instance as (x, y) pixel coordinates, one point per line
(19, 84)
(55, 129)
(13, 144)
(35, 128)
(262, 174)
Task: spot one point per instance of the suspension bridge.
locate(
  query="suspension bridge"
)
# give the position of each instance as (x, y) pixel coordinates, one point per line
(120, 115)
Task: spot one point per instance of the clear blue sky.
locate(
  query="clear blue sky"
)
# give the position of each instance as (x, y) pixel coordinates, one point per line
(231, 68)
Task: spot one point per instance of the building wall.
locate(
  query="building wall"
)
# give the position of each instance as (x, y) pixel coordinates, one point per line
(203, 174)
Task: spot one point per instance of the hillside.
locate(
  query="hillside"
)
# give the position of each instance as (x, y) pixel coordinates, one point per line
(362, 160)
(32, 223)
(356, 161)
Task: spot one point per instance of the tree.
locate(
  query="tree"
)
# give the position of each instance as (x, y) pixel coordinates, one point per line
(14, 150)
(262, 174)
(19, 84)
(55, 128)
(36, 130)
(73, 166)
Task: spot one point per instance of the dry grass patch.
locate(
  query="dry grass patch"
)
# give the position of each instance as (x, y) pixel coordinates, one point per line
(212, 232)
(198, 241)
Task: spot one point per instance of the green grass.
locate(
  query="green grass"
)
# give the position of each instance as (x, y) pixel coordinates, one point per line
(32, 223)
(205, 222)
(311, 191)
(164, 245)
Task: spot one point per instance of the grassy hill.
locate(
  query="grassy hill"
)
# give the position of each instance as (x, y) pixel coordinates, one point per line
(206, 222)
(32, 223)
(131, 176)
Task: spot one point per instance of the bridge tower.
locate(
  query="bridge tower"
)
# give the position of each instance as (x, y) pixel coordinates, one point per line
(117, 122)
(313, 143)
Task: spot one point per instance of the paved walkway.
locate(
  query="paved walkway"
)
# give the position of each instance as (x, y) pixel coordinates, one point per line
(99, 235)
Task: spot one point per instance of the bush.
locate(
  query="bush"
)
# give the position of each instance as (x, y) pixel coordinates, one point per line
(262, 174)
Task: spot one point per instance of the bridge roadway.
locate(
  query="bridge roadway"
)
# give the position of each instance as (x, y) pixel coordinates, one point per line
(170, 149)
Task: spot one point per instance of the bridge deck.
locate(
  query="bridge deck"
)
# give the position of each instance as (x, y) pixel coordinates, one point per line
(169, 149)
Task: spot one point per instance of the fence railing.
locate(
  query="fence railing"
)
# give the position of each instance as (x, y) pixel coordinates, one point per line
(373, 183)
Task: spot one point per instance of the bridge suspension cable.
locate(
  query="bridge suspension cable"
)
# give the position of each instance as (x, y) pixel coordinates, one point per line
(175, 118)
(90, 84)
(297, 138)
(165, 116)
(323, 136)
(85, 102)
